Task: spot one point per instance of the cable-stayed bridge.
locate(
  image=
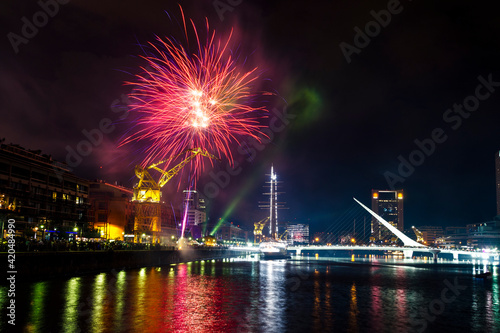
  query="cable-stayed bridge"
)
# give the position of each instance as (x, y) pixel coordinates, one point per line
(410, 246)
(408, 249)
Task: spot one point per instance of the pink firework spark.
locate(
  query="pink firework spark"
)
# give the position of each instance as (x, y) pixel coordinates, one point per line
(194, 99)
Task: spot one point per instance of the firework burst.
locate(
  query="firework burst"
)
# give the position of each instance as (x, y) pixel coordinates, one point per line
(193, 99)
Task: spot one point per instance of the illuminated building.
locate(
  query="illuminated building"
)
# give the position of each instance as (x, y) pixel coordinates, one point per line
(298, 233)
(42, 195)
(497, 169)
(453, 238)
(388, 205)
(231, 233)
(111, 210)
(430, 234)
(112, 213)
(484, 235)
(196, 214)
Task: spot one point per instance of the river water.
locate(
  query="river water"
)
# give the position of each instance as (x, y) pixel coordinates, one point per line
(251, 295)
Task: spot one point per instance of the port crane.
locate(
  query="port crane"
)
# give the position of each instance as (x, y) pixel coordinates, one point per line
(258, 227)
(147, 192)
(420, 236)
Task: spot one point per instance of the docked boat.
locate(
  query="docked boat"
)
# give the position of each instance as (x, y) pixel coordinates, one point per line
(484, 275)
(273, 250)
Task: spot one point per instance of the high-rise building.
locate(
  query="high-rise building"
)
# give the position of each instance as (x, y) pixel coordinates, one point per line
(298, 233)
(42, 195)
(497, 168)
(388, 205)
(194, 208)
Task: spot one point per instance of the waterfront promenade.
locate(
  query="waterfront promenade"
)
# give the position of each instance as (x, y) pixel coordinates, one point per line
(44, 260)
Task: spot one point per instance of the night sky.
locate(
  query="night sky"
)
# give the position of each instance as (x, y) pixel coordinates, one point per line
(349, 118)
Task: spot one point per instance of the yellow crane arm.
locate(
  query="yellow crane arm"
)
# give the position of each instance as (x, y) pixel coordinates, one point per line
(167, 175)
(259, 226)
(147, 189)
(419, 235)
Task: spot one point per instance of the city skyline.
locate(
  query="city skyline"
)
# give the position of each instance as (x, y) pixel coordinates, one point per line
(387, 114)
(21, 165)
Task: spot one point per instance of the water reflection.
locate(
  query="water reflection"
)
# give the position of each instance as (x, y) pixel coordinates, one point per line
(490, 314)
(400, 299)
(70, 316)
(317, 303)
(376, 300)
(3, 304)
(181, 305)
(120, 288)
(36, 316)
(495, 300)
(272, 286)
(99, 293)
(328, 315)
(353, 312)
(256, 296)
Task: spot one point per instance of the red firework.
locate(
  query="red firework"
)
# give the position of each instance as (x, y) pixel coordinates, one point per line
(193, 99)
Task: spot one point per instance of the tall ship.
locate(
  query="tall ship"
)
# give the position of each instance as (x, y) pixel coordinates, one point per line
(271, 247)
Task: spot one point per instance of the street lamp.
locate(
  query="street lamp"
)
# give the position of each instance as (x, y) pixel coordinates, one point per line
(42, 228)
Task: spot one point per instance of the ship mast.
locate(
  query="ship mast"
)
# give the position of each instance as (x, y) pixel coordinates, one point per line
(273, 205)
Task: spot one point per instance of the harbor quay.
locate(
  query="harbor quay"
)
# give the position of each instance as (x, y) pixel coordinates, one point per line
(42, 265)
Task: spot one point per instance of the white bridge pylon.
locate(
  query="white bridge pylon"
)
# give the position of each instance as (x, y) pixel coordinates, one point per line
(407, 241)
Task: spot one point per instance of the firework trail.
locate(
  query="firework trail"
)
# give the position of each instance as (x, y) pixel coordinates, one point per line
(193, 99)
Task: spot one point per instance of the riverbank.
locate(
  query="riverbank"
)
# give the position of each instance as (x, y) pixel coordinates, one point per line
(42, 265)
